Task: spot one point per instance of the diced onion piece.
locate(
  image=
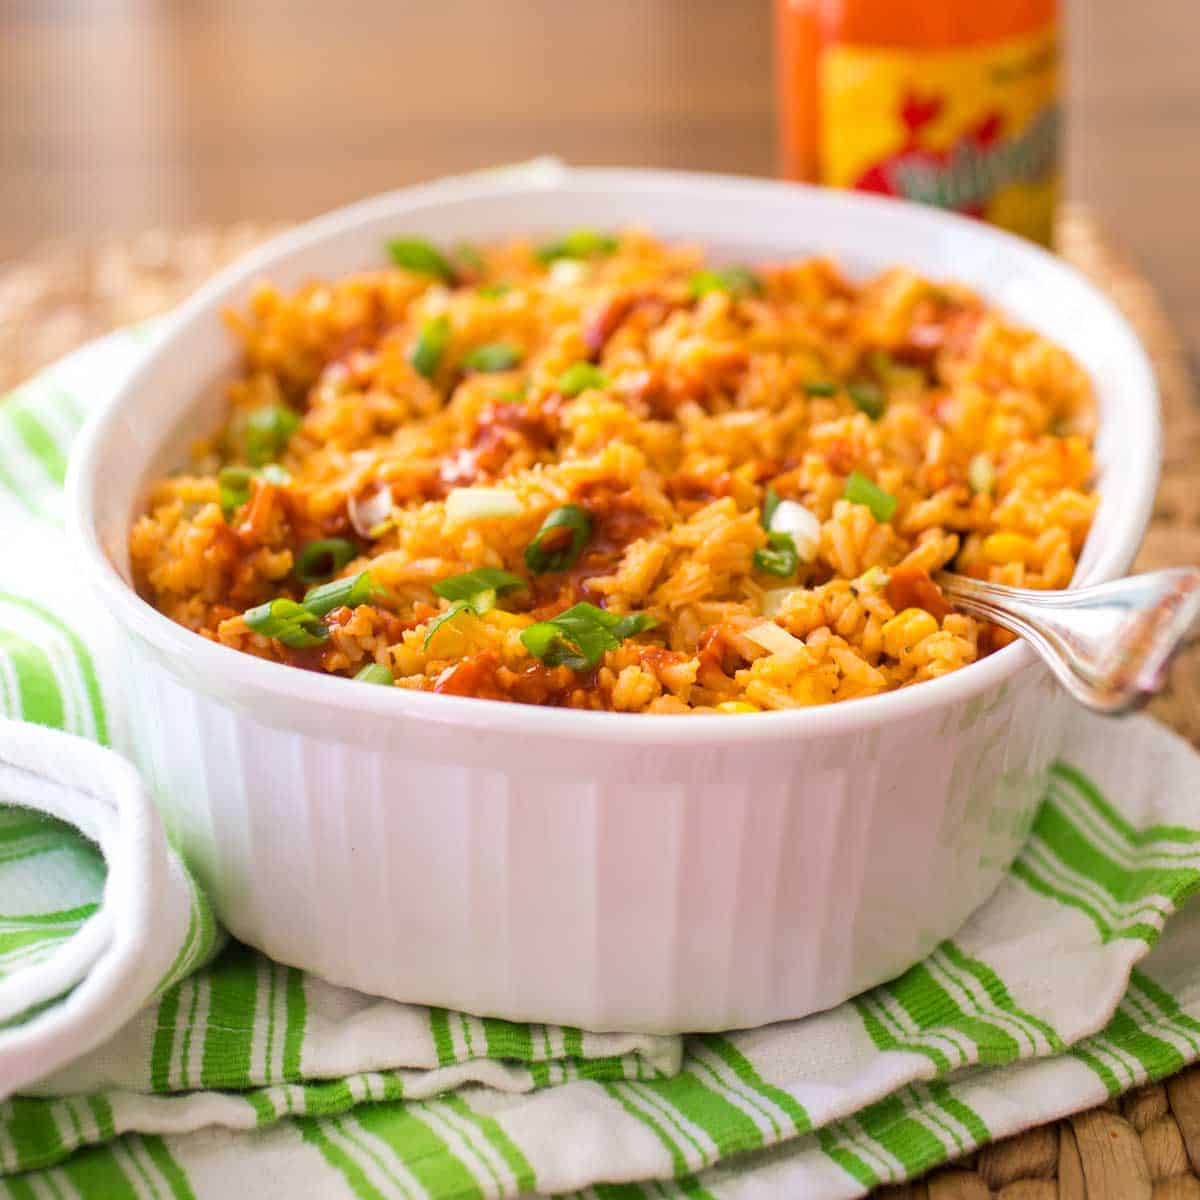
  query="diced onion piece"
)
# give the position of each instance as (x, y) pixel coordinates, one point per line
(775, 599)
(464, 505)
(981, 475)
(567, 272)
(803, 526)
(365, 515)
(774, 638)
(874, 579)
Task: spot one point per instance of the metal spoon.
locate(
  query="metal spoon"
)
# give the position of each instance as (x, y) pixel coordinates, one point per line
(1109, 645)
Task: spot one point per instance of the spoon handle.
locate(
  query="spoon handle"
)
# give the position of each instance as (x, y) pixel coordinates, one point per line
(1109, 645)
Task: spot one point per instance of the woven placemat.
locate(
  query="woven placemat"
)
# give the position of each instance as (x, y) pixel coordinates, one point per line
(1147, 1143)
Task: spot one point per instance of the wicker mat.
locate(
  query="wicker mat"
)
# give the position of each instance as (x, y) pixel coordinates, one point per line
(1146, 1144)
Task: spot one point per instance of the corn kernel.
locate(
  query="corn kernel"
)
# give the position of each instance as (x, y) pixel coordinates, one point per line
(506, 620)
(906, 629)
(1000, 548)
(737, 706)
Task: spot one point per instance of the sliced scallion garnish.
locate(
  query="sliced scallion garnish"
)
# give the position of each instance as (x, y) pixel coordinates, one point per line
(770, 503)
(821, 387)
(579, 637)
(375, 673)
(291, 623)
(320, 559)
(868, 398)
(469, 255)
(495, 356)
(580, 377)
(860, 490)
(737, 281)
(779, 556)
(431, 345)
(459, 606)
(560, 540)
(349, 592)
(493, 291)
(234, 484)
(471, 583)
(473, 591)
(581, 243)
(420, 256)
(268, 430)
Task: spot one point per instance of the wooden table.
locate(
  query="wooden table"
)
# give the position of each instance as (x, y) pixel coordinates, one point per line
(129, 114)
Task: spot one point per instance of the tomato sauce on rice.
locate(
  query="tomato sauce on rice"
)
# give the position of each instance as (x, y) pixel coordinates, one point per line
(603, 473)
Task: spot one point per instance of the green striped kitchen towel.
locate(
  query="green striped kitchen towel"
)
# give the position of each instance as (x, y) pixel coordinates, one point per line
(249, 1077)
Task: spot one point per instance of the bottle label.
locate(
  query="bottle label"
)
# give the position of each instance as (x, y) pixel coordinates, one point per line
(974, 130)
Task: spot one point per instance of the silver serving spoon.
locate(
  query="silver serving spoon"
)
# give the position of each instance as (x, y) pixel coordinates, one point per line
(1109, 645)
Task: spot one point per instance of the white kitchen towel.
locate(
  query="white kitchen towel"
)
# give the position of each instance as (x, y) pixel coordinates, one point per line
(97, 915)
(248, 1077)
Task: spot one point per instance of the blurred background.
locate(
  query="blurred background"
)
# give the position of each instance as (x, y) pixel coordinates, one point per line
(119, 115)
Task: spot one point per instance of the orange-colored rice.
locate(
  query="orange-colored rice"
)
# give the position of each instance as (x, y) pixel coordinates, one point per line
(705, 405)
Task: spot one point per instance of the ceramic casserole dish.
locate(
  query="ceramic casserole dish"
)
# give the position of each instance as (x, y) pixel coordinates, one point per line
(604, 870)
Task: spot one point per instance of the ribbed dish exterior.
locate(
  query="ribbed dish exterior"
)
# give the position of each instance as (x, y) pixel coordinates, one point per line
(604, 870)
(656, 889)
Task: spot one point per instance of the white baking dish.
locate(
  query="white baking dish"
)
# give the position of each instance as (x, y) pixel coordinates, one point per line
(597, 869)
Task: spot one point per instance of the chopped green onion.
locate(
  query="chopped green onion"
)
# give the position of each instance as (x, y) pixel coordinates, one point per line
(874, 579)
(289, 622)
(779, 556)
(894, 374)
(860, 490)
(471, 583)
(800, 524)
(234, 484)
(868, 398)
(495, 356)
(541, 641)
(771, 502)
(466, 253)
(579, 637)
(582, 243)
(431, 345)
(299, 625)
(493, 291)
(459, 606)
(355, 590)
(821, 387)
(737, 281)
(321, 559)
(473, 591)
(562, 552)
(376, 673)
(981, 475)
(580, 377)
(267, 432)
(418, 255)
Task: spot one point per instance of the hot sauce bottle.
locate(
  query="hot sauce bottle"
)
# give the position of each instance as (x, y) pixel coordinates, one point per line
(949, 102)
